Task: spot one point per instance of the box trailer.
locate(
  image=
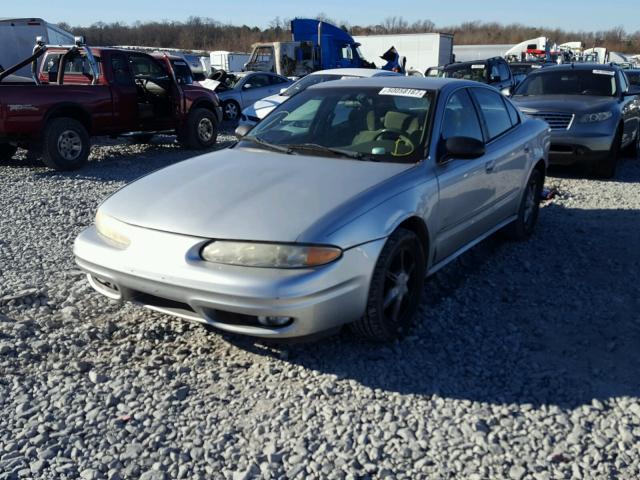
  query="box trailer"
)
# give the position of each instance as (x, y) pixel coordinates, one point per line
(18, 36)
(468, 53)
(422, 50)
(228, 61)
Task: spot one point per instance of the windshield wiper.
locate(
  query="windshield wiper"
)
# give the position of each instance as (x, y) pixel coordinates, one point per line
(335, 151)
(272, 146)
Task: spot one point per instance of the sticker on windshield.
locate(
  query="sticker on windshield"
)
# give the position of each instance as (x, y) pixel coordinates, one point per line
(479, 66)
(403, 92)
(604, 72)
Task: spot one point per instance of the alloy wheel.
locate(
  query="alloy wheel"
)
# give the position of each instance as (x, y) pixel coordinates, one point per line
(69, 145)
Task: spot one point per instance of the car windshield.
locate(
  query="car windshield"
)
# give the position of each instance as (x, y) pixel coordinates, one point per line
(309, 80)
(372, 123)
(232, 80)
(596, 82)
(467, 71)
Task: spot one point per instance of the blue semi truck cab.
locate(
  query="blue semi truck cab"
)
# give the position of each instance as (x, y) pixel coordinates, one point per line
(315, 45)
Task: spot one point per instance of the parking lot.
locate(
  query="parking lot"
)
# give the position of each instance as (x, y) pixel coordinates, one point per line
(524, 364)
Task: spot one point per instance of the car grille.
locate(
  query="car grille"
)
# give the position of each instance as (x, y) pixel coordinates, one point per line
(557, 121)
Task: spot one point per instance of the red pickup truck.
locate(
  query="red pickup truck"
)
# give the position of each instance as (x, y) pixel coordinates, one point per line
(78, 92)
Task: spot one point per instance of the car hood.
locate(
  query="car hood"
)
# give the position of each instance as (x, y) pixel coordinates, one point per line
(246, 194)
(563, 103)
(263, 107)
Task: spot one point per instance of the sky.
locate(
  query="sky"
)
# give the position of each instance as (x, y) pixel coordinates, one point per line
(576, 15)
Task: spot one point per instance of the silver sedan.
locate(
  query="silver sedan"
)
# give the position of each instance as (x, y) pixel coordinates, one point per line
(332, 211)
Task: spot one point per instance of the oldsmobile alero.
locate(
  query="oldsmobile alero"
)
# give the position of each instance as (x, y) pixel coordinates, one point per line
(331, 211)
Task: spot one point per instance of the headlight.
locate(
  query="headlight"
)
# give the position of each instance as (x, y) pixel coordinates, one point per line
(270, 255)
(595, 117)
(112, 229)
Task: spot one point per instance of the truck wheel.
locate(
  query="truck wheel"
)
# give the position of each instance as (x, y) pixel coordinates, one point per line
(395, 290)
(606, 168)
(231, 110)
(66, 144)
(200, 130)
(7, 151)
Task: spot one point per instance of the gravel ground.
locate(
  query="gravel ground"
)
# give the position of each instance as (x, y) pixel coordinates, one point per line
(524, 364)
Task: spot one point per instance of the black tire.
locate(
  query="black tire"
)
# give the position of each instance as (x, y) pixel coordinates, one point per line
(141, 138)
(7, 151)
(398, 279)
(66, 144)
(606, 168)
(231, 110)
(523, 226)
(634, 147)
(200, 130)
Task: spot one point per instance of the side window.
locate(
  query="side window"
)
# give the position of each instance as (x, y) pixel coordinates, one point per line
(460, 118)
(121, 75)
(513, 114)
(276, 80)
(143, 66)
(257, 81)
(504, 71)
(495, 73)
(51, 63)
(493, 110)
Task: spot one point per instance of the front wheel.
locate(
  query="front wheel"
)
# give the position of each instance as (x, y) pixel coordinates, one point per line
(66, 144)
(200, 130)
(231, 110)
(606, 168)
(7, 151)
(396, 289)
(523, 226)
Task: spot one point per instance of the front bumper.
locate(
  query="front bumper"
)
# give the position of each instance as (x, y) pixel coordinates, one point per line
(163, 271)
(582, 143)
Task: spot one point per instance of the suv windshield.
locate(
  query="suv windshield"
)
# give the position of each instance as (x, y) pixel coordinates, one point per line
(372, 123)
(467, 71)
(594, 82)
(309, 80)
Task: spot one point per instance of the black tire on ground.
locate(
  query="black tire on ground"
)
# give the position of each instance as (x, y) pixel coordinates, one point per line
(200, 130)
(523, 226)
(66, 144)
(396, 289)
(7, 151)
(231, 110)
(141, 138)
(606, 168)
(634, 147)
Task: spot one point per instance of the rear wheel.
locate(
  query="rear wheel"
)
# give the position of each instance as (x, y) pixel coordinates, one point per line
(66, 144)
(606, 168)
(523, 226)
(395, 290)
(200, 130)
(7, 151)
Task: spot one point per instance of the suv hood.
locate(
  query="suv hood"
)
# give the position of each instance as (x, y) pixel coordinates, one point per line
(246, 194)
(563, 103)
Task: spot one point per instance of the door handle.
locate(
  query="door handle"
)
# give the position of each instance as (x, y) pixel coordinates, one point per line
(489, 166)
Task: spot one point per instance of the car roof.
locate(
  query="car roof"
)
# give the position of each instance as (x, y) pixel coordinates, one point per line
(355, 72)
(400, 81)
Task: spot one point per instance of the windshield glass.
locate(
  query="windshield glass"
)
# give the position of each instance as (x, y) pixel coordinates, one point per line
(469, 71)
(183, 72)
(309, 80)
(372, 123)
(575, 82)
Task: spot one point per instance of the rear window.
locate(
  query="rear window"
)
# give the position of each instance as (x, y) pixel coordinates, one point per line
(594, 82)
(476, 72)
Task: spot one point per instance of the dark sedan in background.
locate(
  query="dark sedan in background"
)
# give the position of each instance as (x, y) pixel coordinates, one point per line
(592, 110)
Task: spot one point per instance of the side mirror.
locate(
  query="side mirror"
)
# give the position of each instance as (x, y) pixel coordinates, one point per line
(463, 147)
(242, 131)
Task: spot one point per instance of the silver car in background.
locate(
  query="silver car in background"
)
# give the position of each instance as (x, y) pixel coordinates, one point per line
(332, 211)
(240, 89)
(256, 112)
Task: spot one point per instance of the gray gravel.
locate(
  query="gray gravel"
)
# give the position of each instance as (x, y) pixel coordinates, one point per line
(524, 364)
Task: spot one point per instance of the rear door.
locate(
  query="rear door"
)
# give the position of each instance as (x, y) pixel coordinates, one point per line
(506, 151)
(467, 189)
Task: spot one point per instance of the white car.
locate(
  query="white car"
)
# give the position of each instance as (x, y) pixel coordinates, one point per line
(260, 109)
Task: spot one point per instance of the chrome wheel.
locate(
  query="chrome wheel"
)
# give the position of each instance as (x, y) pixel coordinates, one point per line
(205, 129)
(69, 145)
(399, 285)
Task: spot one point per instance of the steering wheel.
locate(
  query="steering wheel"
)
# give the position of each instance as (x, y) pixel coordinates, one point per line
(400, 137)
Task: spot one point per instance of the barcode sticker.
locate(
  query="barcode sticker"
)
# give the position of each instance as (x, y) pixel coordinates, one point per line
(403, 92)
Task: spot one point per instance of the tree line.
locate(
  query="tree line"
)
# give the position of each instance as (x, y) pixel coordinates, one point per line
(199, 33)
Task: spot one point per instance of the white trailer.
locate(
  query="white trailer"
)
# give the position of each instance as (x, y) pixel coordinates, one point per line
(18, 37)
(422, 50)
(468, 53)
(228, 61)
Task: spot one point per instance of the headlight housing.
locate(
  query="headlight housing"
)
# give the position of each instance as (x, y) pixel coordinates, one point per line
(595, 117)
(113, 230)
(269, 255)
